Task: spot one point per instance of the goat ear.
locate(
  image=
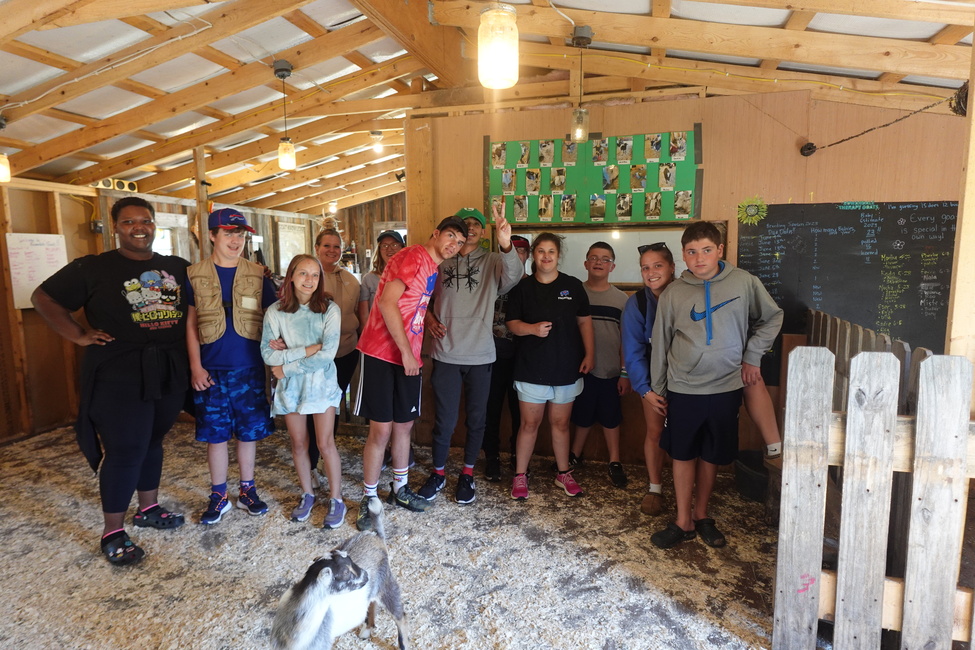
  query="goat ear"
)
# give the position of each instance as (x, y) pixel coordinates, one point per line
(340, 553)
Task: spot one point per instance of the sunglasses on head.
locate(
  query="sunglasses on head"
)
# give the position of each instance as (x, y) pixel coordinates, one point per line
(659, 246)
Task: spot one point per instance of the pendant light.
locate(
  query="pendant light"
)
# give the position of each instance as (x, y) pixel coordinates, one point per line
(497, 47)
(579, 131)
(377, 141)
(4, 168)
(287, 160)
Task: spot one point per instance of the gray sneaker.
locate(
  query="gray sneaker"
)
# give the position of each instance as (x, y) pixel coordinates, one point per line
(302, 511)
(336, 514)
(407, 498)
(363, 520)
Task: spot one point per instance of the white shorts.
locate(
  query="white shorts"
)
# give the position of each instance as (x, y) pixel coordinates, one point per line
(540, 394)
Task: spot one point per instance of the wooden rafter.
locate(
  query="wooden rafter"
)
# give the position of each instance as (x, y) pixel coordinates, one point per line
(813, 48)
(117, 9)
(346, 192)
(22, 16)
(932, 12)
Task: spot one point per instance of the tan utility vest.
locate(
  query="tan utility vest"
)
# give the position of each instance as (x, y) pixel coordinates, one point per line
(246, 310)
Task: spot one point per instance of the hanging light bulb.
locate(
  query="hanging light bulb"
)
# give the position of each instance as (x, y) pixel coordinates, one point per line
(287, 159)
(333, 206)
(377, 141)
(497, 47)
(579, 131)
(4, 168)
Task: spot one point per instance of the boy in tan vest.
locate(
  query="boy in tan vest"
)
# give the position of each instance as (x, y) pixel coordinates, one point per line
(227, 296)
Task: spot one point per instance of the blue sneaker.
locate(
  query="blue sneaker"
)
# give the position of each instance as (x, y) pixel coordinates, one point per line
(252, 503)
(219, 506)
(336, 514)
(302, 511)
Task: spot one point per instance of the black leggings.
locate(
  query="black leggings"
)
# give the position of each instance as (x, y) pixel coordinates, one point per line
(131, 432)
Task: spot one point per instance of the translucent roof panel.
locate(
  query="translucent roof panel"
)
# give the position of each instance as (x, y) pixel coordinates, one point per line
(179, 73)
(104, 102)
(822, 69)
(38, 128)
(262, 41)
(117, 146)
(882, 27)
(17, 74)
(616, 6)
(180, 124)
(932, 81)
(729, 14)
(184, 14)
(322, 73)
(88, 42)
(62, 166)
(716, 58)
(246, 100)
(331, 14)
(382, 50)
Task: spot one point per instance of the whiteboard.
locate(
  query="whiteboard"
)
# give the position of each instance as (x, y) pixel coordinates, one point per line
(33, 258)
(576, 244)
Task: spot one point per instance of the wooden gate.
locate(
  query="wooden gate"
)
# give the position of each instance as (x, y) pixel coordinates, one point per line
(871, 441)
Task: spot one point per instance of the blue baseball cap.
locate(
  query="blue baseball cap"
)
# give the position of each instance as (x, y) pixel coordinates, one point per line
(228, 219)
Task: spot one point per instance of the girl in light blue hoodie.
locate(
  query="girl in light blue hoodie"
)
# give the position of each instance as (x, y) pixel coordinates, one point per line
(301, 336)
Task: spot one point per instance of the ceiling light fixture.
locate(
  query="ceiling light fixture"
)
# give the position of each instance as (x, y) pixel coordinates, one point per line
(333, 206)
(377, 141)
(4, 168)
(497, 47)
(287, 160)
(579, 129)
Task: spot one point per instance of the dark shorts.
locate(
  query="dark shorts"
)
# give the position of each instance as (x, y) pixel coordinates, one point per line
(235, 406)
(386, 393)
(599, 402)
(702, 426)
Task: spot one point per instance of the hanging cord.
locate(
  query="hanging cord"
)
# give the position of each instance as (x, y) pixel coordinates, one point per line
(809, 148)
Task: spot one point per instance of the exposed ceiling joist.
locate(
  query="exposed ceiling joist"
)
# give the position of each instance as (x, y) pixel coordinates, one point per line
(813, 48)
(317, 202)
(22, 16)
(932, 12)
(118, 9)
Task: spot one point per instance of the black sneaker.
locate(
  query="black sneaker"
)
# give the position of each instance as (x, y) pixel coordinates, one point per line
(574, 461)
(465, 489)
(492, 469)
(432, 487)
(407, 498)
(617, 475)
(363, 520)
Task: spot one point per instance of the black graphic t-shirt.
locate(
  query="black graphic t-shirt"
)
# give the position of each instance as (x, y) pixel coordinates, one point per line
(555, 359)
(139, 302)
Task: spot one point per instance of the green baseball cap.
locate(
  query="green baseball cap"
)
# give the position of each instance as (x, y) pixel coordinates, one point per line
(467, 213)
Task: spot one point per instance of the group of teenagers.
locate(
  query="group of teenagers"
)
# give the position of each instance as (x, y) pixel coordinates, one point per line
(158, 329)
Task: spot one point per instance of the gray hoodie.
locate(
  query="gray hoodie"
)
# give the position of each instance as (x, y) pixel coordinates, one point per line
(700, 335)
(463, 300)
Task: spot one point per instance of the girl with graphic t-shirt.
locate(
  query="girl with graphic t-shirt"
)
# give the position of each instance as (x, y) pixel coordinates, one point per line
(548, 312)
(301, 335)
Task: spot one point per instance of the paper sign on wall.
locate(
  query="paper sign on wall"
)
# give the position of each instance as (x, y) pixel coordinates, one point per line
(33, 258)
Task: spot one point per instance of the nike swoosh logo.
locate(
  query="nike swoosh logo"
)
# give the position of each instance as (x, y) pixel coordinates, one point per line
(700, 315)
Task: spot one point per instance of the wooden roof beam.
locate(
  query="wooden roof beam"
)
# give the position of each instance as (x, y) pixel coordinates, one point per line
(117, 9)
(931, 12)
(227, 19)
(950, 35)
(658, 9)
(339, 172)
(345, 192)
(798, 21)
(439, 48)
(22, 16)
(258, 116)
(813, 48)
(252, 75)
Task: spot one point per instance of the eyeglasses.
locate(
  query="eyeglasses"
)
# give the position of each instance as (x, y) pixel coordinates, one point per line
(605, 260)
(659, 246)
(390, 246)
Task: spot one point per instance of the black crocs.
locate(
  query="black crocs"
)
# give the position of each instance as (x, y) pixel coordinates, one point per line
(671, 536)
(119, 550)
(709, 533)
(158, 517)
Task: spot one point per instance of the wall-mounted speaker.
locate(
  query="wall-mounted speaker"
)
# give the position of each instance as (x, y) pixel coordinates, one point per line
(116, 184)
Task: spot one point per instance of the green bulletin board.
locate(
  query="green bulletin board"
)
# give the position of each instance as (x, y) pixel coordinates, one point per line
(618, 179)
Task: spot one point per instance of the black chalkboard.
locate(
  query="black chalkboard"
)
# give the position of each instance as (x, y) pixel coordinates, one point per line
(885, 266)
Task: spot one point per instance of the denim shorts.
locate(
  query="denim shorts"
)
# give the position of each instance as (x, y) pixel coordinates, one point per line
(540, 394)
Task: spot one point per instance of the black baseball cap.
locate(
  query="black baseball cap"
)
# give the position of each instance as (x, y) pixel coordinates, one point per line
(454, 222)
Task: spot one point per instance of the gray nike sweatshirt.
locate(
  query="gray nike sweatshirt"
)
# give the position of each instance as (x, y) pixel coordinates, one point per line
(701, 332)
(463, 300)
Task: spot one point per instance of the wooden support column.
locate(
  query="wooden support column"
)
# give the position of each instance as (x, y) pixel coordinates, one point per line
(68, 348)
(960, 332)
(202, 202)
(421, 214)
(13, 392)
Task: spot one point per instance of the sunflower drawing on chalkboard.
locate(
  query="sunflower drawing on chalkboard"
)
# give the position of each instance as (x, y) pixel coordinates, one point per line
(751, 211)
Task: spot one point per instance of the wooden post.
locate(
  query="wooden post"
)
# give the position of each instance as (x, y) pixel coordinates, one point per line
(799, 564)
(202, 202)
(69, 348)
(960, 331)
(15, 325)
(421, 213)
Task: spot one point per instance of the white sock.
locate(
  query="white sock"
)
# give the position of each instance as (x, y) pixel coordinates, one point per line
(400, 478)
(369, 490)
(774, 448)
(656, 488)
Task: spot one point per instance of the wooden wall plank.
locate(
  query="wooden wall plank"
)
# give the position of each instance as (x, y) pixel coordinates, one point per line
(940, 498)
(15, 395)
(803, 499)
(871, 420)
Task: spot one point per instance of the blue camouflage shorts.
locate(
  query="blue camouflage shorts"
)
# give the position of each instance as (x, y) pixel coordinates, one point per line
(235, 406)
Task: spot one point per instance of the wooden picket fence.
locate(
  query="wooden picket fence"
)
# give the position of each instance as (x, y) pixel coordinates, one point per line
(871, 442)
